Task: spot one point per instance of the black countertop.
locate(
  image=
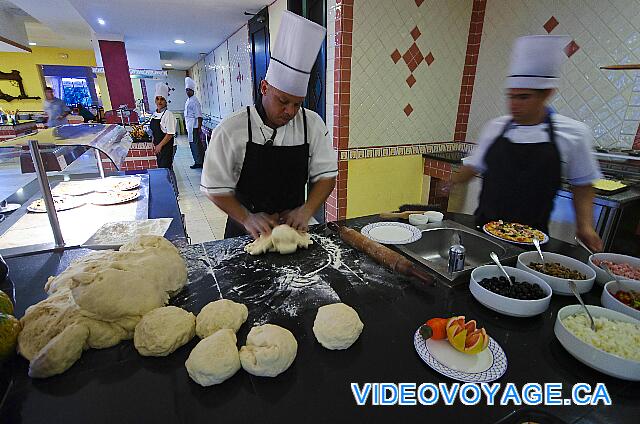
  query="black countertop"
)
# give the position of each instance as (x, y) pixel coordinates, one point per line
(118, 385)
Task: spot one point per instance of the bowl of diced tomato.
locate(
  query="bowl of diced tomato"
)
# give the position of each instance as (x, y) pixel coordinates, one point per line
(624, 266)
(623, 298)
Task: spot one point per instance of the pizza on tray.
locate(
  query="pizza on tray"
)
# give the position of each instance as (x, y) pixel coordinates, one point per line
(61, 203)
(513, 231)
(114, 197)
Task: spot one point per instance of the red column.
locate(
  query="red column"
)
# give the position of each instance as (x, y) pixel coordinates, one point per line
(116, 70)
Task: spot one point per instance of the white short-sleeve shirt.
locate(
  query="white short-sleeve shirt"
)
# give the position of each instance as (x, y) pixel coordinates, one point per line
(573, 138)
(167, 121)
(225, 154)
(192, 111)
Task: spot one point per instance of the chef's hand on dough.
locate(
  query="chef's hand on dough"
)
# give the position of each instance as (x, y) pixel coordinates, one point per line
(590, 238)
(297, 218)
(260, 223)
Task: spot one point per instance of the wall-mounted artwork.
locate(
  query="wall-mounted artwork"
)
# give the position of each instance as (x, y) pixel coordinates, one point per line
(14, 80)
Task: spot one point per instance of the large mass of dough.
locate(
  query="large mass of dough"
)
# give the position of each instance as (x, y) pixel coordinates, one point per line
(337, 326)
(214, 359)
(97, 302)
(283, 239)
(163, 330)
(269, 351)
(220, 314)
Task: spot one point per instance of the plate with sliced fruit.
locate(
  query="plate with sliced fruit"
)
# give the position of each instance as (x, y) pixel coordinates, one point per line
(459, 350)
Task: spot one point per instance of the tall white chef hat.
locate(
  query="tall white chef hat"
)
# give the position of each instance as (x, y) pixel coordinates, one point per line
(536, 61)
(294, 54)
(189, 84)
(162, 90)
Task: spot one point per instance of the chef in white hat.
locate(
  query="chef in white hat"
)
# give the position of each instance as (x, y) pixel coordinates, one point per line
(163, 128)
(260, 159)
(523, 157)
(193, 120)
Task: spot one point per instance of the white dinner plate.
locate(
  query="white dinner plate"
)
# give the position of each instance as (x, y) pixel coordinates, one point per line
(391, 232)
(10, 207)
(486, 366)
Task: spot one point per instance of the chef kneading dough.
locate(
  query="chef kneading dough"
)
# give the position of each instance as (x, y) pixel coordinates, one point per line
(214, 359)
(337, 326)
(283, 239)
(98, 301)
(220, 314)
(163, 330)
(269, 351)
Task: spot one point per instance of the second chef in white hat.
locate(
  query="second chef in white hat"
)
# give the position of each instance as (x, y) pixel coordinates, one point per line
(523, 157)
(163, 128)
(260, 159)
(193, 121)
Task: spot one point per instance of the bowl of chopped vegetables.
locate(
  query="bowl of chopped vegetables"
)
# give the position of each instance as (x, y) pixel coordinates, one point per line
(557, 270)
(621, 265)
(625, 299)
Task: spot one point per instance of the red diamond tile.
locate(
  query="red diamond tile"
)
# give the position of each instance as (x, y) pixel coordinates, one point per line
(407, 56)
(412, 65)
(419, 57)
(429, 59)
(395, 56)
(415, 33)
(411, 80)
(551, 24)
(571, 48)
(408, 109)
(419, 2)
(414, 50)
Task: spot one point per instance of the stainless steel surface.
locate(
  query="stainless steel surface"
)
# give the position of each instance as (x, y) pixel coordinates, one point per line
(584, 246)
(52, 214)
(456, 258)
(113, 140)
(536, 243)
(496, 261)
(432, 250)
(574, 289)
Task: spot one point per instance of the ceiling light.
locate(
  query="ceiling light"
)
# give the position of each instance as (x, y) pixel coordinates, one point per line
(31, 43)
(101, 21)
(178, 41)
(168, 64)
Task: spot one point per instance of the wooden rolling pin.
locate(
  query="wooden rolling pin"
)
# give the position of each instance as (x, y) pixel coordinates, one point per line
(382, 254)
(399, 215)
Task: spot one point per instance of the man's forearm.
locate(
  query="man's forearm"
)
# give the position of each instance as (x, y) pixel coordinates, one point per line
(463, 174)
(583, 205)
(319, 193)
(230, 205)
(199, 123)
(165, 140)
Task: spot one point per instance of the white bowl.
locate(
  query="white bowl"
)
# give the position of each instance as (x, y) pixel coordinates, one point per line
(610, 302)
(507, 305)
(601, 275)
(595, 358)
(559, 285)
(434, 216)
(418, 219)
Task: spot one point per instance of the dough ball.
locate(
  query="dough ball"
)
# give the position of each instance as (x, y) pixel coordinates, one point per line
(283, 239)
(220, 314)
(337, 326)
(269, 351)
(214, 359)
(60, 353)
(163, 330)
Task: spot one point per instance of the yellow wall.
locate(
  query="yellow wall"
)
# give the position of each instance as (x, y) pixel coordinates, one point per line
(383, 184)
(27, 63)
(103, 92)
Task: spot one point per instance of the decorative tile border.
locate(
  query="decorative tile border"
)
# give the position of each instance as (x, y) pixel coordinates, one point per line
(402, 150)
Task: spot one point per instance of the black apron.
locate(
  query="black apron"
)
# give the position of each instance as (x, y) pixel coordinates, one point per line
(165, 157)
(521, 181)
(273, 178)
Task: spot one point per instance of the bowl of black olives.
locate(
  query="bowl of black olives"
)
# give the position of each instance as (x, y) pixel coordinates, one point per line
(524, 295)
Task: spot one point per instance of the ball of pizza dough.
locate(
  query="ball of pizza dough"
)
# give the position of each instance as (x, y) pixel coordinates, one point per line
(163, 330)
(214, 359)
(270, 350)
(337, 326)
(220, 314)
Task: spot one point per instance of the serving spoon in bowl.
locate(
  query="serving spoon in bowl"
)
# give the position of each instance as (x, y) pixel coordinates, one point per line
(536, 243)
(574, 289)
(495, 259)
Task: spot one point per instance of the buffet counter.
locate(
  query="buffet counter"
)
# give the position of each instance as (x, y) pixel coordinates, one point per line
(286, 290)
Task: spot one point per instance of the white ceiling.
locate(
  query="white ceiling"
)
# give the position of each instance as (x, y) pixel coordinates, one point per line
(148, 27)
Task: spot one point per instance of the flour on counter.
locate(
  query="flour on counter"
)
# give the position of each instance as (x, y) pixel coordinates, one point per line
(118, 233)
